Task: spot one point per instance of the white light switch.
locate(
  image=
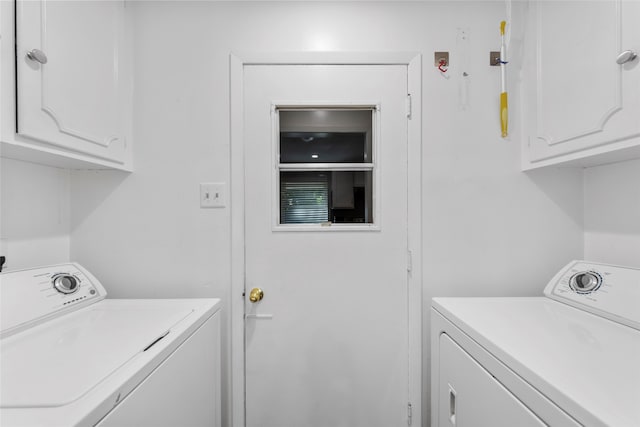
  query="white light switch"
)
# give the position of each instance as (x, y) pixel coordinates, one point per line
(212, 194)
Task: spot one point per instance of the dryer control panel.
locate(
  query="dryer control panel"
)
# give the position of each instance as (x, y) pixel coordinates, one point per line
(609, 291)
(29, 297)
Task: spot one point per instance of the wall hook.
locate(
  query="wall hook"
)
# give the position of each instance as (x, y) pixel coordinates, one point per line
(441, 61)
(442, 66)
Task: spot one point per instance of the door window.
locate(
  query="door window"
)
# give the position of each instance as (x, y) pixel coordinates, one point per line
(325, 166)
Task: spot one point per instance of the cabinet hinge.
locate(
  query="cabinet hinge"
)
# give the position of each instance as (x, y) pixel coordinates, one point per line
(408, 106)
(409, 414)
(409, 261)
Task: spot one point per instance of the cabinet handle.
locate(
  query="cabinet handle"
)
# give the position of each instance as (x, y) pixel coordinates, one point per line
(37, 55)
(626, 56)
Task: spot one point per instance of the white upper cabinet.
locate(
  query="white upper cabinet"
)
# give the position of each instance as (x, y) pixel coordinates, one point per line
(582, 108)
(72, 83)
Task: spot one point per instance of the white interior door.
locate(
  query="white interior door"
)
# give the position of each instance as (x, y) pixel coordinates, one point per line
(328, 343)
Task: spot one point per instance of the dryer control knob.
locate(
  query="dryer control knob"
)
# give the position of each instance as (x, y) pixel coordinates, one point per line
(585, 282)
(65, 283)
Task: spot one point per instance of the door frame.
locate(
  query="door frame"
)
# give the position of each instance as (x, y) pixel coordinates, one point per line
(413, 62)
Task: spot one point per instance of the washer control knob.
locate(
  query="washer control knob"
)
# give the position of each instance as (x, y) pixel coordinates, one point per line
(585, 282)
(65, 283)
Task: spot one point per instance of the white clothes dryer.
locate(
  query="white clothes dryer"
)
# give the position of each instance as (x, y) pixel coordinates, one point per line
(70, 357)
(569, 358)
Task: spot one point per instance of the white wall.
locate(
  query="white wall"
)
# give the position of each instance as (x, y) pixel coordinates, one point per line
(488, 228)
(34, 214)
(612, 213)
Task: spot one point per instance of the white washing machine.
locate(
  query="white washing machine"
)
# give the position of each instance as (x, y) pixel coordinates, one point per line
(70, 357)
(569, 358)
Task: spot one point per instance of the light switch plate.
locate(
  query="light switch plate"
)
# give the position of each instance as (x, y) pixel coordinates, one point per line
(213, 195)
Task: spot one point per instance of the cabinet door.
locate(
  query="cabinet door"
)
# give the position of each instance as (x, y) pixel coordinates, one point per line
(470, 396)
(583, 102)
(73, 100)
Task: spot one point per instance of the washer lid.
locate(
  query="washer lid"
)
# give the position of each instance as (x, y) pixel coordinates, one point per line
(59, 361)
(584, 363)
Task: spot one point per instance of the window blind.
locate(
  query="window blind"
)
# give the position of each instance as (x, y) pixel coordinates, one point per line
(304, 197)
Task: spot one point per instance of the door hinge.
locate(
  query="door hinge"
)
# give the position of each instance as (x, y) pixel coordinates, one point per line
(408, 106)
(409, 414)
(409, 261)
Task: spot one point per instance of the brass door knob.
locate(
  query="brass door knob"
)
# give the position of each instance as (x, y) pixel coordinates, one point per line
(256, 295)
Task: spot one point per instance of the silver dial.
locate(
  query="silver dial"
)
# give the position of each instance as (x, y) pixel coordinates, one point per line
(585, 282)
(65, 283)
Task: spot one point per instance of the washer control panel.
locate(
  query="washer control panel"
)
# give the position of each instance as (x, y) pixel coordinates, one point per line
(28, 297)
(609, 291)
